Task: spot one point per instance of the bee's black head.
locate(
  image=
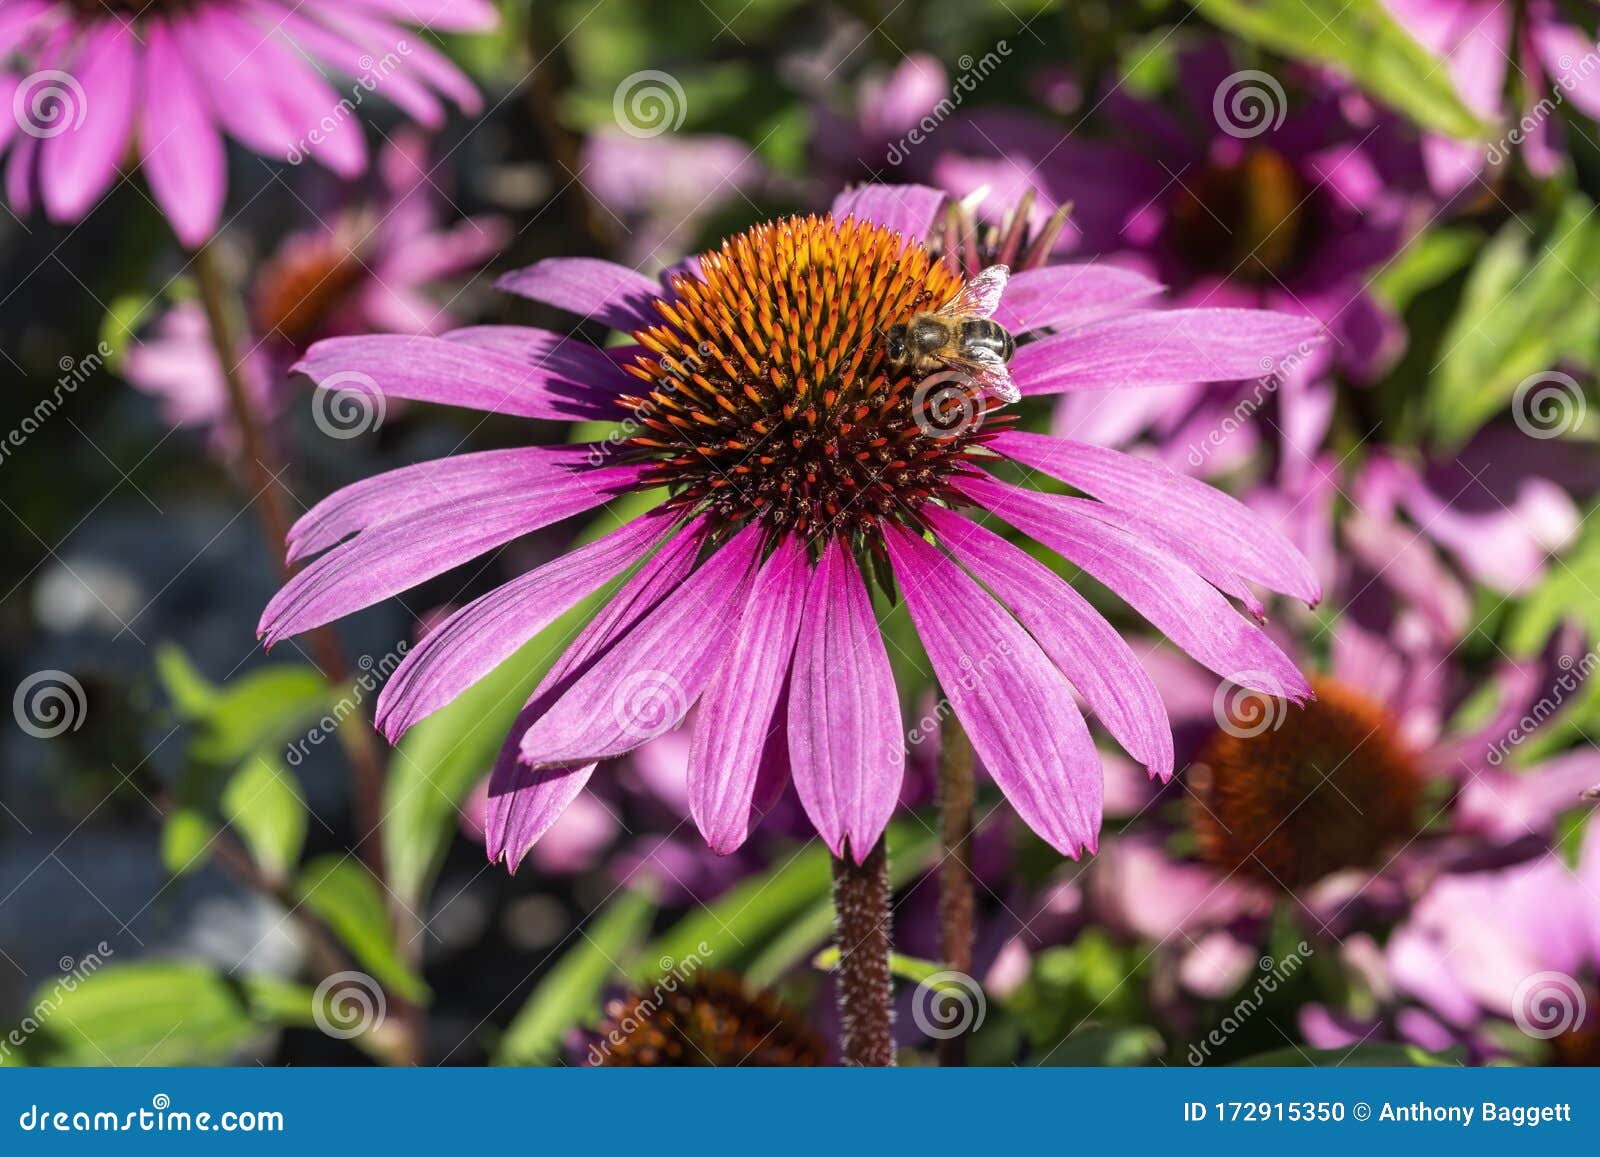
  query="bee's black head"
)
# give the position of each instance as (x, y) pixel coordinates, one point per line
(894, 342)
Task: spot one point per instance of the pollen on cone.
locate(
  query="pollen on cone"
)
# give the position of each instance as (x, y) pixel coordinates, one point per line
(770, 394)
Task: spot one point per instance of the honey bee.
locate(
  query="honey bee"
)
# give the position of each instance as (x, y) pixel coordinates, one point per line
(960, 336)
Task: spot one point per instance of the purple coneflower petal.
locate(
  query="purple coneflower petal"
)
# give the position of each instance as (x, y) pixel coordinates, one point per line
(396, 495)
(221, 51)
(1067, 296)
(490, 629)
(846, 744)
(344, 53)
(456, 373)
(182, 151)
(524, 801)
(393, 556)
(1162, 348)
(907, 209)
(76, 167)
(1016, 707)
(646, 683)
(1171, 596)
(590, 288)
(1089, 651)
(444, 15)
(735, 723)
(1202, 515)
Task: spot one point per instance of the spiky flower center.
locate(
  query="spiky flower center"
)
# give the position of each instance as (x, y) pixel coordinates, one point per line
(769, 394)
(708, 1020)
(298, 292)
(1244, 220)
(1330, 786)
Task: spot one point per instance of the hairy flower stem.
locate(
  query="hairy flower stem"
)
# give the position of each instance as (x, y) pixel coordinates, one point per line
(956, 795)
(862, 933)
(220, 300)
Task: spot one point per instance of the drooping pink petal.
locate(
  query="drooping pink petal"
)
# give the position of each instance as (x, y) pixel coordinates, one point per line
(76, 166)
(490, 629)
(1172, 597)
(182, 153)
(393, 51)
(524, 801)
(559, 385)
(390, 557)
(345, 54)
(443, 15)
(1089, 651)
(736, 717)
(1212, 521)
(1016, 707)
(907, 209)
(846, 743)
(1068, 296)
(590, 288)
(646, 683)
(1163, 347)
(397, 494)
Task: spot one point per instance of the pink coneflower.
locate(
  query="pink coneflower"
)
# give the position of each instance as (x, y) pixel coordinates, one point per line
(1482, 41)
(1294, 210)
(370, 267)
(801, 471)
(173, 77)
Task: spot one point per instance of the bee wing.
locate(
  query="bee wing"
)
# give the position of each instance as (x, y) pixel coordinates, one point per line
(979, 297)
(990, 372)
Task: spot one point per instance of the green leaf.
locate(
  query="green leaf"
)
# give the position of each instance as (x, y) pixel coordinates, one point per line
(185, 839)
(1430, 259)
(1359, 38)
(263, 803)
(569, 993)
(767, 924)
(341, 891)
(1104, 1045)
(1374, 1055)
(912, 968)
(440, 758)
(1522, 312)
(160, 1014)
(1566, 593)
(247, 714)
